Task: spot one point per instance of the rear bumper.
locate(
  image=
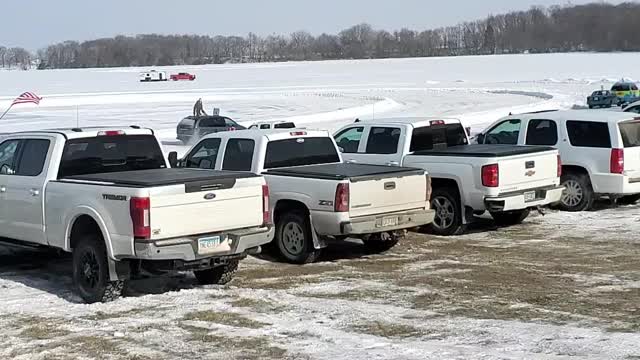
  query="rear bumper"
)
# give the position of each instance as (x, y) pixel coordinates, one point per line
(238, 242)
(612, 184)
(375, 223)
(516, 201)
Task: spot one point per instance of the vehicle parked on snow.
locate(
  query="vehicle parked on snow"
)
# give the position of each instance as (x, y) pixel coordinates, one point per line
(600, 151)
(182, 76)
(602, 98)
(315, 197)
(107, 196)
(626, 91)
(152, 76)
(506, 181)
(193, 128)
(273, 125)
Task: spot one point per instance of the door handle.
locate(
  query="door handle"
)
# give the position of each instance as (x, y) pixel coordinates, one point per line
(34, 192)
(3, 189)
(393, 163)
(351, 161)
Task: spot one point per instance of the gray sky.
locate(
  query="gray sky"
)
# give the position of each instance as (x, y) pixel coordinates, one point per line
(37, 23)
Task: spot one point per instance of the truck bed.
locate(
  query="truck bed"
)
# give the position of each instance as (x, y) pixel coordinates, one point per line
(485, 150)
(344, 171)
(194, 179)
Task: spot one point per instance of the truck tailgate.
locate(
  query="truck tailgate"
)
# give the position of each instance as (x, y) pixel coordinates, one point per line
(521, 172)
(184, 210)
(386, 195)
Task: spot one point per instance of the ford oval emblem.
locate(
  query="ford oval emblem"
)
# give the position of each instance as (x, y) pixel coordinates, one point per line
(210, 196)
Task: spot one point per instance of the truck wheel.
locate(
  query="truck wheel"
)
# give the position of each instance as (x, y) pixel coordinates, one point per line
(629, 199)
(91, 272)
(578, 194)
(220, 275)
(293, 237)
(379, 243)
(448, 221)
(507, 218)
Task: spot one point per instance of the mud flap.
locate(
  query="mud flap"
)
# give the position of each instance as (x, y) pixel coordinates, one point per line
(467, 214)
(119, 270)
(318, 242)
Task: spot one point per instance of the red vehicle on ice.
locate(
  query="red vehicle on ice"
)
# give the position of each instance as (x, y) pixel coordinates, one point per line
(183, 76)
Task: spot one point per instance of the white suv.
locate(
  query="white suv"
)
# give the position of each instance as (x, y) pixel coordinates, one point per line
(600, 151)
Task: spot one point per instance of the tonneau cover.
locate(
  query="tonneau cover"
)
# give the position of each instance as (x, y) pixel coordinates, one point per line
(343, 171)
(485, 150)
(161, 177)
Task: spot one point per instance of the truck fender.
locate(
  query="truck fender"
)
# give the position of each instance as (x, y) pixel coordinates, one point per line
(88, 211)
(467, 211)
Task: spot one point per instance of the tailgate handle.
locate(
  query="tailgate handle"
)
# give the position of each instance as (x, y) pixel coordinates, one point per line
(390, 185)
(530, 164)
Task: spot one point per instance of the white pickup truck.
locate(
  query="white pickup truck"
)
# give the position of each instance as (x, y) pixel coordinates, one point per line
(315, 196)
(507, 181)
(107, 196)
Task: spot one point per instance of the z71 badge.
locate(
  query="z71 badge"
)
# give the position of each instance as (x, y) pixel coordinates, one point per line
(325, 203)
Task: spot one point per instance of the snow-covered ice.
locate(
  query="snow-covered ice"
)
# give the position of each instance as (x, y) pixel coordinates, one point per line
(560, 286)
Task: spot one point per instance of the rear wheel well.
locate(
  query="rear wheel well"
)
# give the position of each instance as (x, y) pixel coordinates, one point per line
(286, 206)
(83, 225)
(574, 169)
(437, 183)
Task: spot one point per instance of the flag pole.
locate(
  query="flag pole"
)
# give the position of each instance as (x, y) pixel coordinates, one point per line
(6, 111)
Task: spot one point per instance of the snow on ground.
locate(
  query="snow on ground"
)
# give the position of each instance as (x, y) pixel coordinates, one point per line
(560, 286)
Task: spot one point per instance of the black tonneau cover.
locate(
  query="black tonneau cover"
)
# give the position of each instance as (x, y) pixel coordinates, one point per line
(485, 150)
(344, 171)
(192, 178)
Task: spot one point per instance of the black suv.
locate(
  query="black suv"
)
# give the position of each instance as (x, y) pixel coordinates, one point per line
(195, 127)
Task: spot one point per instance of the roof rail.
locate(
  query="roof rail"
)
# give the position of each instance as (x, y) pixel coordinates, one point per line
(541, 111)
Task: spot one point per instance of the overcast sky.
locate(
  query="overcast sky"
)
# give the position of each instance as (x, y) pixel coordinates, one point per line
(37, 23)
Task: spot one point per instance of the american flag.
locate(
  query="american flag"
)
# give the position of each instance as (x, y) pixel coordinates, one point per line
(27, 97)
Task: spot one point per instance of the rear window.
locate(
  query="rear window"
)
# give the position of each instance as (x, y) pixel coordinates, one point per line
(212, 122)
(287, 125)
(300, 151)
(428, 137)
(589, 134)
(105, 154)
(621, 87)
(630, 132)
(187, 123)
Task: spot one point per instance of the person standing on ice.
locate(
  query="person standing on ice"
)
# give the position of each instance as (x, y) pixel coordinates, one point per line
(198, 110)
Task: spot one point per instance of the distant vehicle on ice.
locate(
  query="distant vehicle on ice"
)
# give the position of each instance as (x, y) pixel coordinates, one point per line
(153, 75)
(195, 127)
(627, 92)
(602, 98)
(182, 76)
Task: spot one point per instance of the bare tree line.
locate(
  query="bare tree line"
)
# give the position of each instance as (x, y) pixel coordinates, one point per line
(15, 57)
(592, 27)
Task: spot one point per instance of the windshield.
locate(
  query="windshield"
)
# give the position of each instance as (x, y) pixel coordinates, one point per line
(300, 151)
(630, 132)
(105, 154)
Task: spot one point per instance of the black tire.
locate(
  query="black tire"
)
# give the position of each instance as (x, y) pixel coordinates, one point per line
(629, 199)
(220, 275)
(578, 194)
(590, 106)
(379, 243)
(446, 202)
(91, 271)
(508, 218)
(294, 240)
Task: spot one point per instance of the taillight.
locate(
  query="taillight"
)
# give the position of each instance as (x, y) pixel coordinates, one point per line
(490, 175)
(266, 214)
(111, 133)
(342, 198)
(141, 217)
(617, 161)
(428, 188)
(559, 166)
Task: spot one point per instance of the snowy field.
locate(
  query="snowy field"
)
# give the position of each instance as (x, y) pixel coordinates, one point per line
(561, 286)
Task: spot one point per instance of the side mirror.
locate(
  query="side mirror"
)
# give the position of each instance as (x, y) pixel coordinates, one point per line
(480, 138)
(173, 159)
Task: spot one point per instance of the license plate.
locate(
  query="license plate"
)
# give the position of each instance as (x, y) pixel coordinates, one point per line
(529, 196)
(596, 99)
(209, 244)
(389, 221)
